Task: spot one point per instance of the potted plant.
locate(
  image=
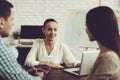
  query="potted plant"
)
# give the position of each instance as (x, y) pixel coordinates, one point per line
(16, 35)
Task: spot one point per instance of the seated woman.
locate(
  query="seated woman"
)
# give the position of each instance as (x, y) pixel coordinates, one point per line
(49, 51)
(102, 27)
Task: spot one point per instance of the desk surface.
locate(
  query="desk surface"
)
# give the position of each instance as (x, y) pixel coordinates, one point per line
(59, 74)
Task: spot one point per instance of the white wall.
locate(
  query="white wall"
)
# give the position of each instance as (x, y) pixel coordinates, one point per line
(34, 12)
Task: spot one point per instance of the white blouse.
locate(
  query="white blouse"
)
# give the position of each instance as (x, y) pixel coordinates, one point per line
(59, 55)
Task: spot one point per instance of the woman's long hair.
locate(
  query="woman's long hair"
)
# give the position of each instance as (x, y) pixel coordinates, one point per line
(102, 23)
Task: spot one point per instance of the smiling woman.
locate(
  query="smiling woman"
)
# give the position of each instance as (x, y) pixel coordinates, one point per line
(49, 51)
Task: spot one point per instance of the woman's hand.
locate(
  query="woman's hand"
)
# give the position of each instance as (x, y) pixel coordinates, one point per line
(42, 63)
(54, 65)
(51, 65)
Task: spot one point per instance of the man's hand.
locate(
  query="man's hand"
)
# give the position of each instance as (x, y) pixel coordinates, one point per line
(39, 73)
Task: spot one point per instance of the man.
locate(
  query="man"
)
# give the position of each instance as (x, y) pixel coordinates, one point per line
(9, 67)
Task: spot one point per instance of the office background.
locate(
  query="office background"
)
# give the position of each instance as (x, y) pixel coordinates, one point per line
(34, 12)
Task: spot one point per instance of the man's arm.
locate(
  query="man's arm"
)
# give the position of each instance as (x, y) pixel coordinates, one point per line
(10, 69)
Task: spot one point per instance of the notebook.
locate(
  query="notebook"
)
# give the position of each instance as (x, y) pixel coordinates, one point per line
(87, 61)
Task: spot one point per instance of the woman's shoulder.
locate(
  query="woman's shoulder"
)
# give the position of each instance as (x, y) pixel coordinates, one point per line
(62, 45)
(110, 58)
(107, 63)
(111, 55)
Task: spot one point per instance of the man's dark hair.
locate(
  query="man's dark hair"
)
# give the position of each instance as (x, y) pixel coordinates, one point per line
(5, 9)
